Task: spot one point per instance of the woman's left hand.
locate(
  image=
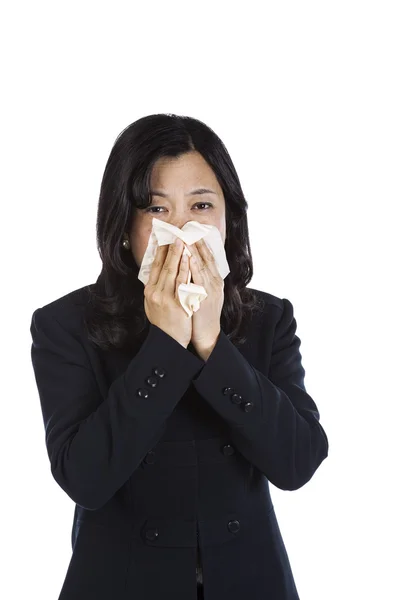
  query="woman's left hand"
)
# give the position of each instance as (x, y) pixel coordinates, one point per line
(206, 322)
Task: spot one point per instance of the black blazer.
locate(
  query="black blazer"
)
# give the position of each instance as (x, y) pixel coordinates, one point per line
(163, 454)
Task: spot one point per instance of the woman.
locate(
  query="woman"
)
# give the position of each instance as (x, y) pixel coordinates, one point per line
(165, 430)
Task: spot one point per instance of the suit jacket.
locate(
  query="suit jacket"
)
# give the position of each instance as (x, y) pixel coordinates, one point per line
(168, 457)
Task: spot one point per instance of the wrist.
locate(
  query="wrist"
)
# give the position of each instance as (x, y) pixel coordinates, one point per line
(205, 349)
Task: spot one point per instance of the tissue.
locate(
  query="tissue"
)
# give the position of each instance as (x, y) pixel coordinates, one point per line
(162, 233)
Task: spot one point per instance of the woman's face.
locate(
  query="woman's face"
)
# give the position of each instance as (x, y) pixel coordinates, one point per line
(177, 179)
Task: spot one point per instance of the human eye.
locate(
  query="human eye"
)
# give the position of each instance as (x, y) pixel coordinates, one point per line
(208, 203)
(150, 208)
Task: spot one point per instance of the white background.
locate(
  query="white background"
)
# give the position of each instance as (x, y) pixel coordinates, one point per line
(305, 95)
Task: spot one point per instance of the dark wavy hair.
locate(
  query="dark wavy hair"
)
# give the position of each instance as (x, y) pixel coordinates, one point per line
(115, 315)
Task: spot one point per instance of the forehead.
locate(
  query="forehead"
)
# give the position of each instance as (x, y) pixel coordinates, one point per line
(189, 169)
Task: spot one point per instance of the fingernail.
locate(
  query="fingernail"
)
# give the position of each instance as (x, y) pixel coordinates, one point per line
(178, 242)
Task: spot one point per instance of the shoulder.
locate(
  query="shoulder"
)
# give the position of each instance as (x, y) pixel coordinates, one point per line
(67, 309)
(275, 312)
(268, 300)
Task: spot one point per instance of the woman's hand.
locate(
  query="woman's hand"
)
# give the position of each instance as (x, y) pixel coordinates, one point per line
(206, 322)
(161, 299)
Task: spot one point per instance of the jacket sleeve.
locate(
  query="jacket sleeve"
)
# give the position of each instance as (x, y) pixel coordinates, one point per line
(274, 422)
(95, 444)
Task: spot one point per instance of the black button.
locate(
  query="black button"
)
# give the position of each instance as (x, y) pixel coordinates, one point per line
(150, 458)
(247, 406)
(233, 526)
(228, 450)
(227, 390)
(142, 393)
(152, 381)
(236, 398)
(152, 534)
(159, 372)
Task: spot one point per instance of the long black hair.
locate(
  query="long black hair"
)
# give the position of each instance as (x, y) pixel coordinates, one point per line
(115, 315)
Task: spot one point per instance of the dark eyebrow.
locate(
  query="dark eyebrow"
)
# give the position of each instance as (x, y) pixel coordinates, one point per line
(192, 193)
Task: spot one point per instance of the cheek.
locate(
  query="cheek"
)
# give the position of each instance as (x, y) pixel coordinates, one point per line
(218, 220)
(143, 241)
(222, 228)
(139, 240)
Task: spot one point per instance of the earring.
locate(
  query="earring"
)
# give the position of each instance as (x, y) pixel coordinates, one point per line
(126, 244)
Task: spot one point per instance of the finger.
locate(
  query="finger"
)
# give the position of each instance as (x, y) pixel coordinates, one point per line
(195, 265)
(197, 275)
(159, 259)
(195, 252)
(207, 258)
(169, 271)
(183, 273)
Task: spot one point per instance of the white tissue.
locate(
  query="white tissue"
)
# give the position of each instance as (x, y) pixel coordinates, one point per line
(190, 294)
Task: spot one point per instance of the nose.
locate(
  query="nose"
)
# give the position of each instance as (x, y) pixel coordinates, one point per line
(179, 223)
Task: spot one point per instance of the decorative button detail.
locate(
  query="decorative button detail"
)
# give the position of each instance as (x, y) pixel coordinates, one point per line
(150, 458)
(228, 450)
(233, 526)
(152, 381)
(227, 390)
(142, 393)
(159, 372)
(236, 399)
(151, 534)
(248, 406)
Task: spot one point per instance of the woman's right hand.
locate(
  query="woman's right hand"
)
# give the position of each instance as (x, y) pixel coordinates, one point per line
(161, 300)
